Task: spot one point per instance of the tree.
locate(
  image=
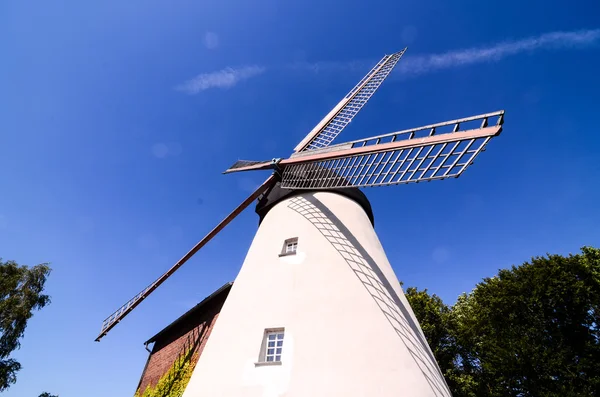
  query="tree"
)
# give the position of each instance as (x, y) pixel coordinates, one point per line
(439, 325)
(435, 318)
(20, 294)
(532, 330)
(46, 394)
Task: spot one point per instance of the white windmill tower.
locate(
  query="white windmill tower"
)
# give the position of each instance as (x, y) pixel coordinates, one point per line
(316, 309)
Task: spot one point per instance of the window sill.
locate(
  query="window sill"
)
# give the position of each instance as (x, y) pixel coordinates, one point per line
(287, 254)
(267, 363)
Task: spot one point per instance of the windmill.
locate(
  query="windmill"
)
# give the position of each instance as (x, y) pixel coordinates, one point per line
(316, 308)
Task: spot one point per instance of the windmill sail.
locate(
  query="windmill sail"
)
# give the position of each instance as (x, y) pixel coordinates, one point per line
(341, 115)
(248, 165)
(396, 158)
(124, 310)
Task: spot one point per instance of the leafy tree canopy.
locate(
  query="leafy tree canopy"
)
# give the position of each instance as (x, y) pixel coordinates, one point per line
(20, 294)
(532, 330)
(435, 318)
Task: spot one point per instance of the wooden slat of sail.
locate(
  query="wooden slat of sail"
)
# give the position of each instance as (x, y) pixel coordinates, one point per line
(364, 163)
(120, 313)
(247, 165)
(342, 114)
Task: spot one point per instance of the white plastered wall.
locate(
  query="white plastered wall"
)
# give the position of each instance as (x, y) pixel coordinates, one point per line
(349, 330)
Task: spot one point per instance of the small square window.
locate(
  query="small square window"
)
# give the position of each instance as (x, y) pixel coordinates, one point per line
(289, 247)
(272, 347)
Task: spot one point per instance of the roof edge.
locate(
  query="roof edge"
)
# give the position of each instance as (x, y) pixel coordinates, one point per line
(204, 302)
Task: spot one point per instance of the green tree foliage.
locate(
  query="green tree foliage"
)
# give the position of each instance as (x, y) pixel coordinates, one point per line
(46, 394)
(436, 319)
(175, 380)
(20, 294)
(532, 330)
(439, 325)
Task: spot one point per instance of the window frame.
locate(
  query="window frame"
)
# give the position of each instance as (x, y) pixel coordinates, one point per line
(278, 344)
(290, 241)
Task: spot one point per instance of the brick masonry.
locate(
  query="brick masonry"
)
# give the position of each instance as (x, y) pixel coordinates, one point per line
(190, 330)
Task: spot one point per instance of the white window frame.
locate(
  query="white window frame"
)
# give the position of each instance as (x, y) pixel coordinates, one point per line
(291, 247)
(271, 349)
(290, 242)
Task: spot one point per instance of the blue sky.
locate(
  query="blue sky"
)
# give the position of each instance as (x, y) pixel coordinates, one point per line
(117, 119)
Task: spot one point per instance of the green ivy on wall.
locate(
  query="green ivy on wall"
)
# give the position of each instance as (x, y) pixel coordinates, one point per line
(174, 381)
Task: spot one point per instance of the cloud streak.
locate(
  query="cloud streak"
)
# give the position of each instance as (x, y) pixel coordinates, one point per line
(330, 66)
(555, 40)
(412, 65)
(224, 78)
(409, 66)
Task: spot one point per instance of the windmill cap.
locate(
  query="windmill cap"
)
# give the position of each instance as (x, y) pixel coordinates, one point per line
(277, 194)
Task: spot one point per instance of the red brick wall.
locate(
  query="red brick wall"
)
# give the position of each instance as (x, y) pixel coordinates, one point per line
(194, 331)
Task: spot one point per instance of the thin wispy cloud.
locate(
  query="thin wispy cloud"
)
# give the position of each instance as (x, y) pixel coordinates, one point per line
(420, 64)
(410, 65)
(329, 66)
(549, 41)
(224, 78)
